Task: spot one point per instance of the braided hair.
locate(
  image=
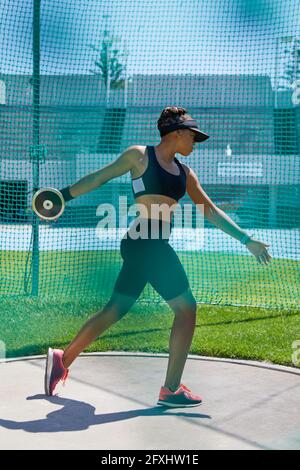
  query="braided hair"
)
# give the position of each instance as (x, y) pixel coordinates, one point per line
(171, 115)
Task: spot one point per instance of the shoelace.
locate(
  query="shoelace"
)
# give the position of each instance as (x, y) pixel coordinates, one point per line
(185, 388)
(192, 395)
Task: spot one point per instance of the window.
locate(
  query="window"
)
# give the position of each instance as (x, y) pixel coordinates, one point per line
(112, 131)
(13, 201)
(285, 131)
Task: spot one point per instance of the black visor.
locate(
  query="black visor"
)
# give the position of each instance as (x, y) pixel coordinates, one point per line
(189, 124)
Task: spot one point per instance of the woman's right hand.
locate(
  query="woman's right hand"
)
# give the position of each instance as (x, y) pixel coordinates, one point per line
(259, 250)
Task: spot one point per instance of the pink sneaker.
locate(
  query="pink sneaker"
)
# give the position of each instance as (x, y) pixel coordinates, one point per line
(182, 397)
(55, 370)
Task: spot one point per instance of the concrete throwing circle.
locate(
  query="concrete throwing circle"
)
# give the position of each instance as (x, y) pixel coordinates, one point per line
(109, 402)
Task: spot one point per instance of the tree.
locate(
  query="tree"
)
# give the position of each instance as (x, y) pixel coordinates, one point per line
(109, 65)
(291, 71)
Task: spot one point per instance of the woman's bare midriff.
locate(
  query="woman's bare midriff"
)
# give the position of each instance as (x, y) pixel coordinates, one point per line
(155, 206)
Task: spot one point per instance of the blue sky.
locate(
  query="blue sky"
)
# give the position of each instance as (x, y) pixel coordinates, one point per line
(161, 36)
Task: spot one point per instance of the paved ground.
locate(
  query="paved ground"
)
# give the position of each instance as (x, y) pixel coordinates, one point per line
(109, 402)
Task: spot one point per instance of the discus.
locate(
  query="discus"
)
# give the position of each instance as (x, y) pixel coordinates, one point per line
(48, 204)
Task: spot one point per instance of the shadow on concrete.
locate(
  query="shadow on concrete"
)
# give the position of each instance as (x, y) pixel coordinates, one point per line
(78, 415)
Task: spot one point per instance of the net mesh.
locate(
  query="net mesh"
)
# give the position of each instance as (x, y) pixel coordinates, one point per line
(81, 81)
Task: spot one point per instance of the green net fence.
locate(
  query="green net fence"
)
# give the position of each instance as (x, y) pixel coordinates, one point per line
(80, 81)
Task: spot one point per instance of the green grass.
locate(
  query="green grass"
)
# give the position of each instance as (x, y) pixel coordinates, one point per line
(219, 278)
(74, 285)
(29, 326)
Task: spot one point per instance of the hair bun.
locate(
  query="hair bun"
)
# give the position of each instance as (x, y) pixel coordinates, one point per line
(172, 111)
(171, 115)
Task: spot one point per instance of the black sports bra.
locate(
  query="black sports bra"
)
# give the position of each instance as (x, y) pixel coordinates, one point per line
(157, 180)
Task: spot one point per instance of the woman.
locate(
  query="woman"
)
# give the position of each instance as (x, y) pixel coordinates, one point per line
(158, 180)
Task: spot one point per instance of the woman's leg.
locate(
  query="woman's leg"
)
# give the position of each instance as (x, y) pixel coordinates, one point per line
(169, 279)
(113, 311)
(184, 307)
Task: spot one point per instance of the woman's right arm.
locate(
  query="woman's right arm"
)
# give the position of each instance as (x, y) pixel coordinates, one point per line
(119, 167)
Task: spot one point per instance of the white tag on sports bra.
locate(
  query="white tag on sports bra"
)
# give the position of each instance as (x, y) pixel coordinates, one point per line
(138, 185)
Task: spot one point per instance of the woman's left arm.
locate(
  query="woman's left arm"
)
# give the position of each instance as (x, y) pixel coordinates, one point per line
(221, 220)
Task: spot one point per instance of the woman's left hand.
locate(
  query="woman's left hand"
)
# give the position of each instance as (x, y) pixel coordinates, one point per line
(259, 250)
